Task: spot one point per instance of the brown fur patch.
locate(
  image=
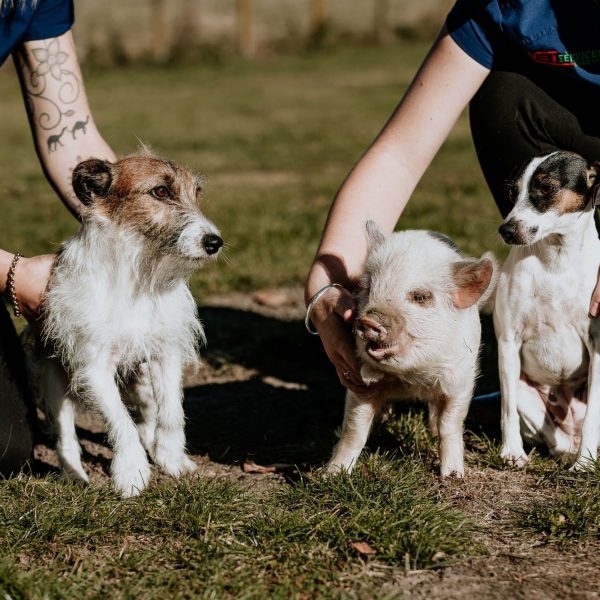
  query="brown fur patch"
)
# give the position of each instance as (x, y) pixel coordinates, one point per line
(130, 201)
(568, 201)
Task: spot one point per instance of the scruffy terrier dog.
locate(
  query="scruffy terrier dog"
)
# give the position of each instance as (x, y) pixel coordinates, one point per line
(418, 322)
(119, 315)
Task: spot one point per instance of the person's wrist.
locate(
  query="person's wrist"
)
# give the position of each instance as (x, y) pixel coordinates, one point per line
(10, 289)
(315, 300)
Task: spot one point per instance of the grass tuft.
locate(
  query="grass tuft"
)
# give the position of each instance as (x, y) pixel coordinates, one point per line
(62, 539)
(572, 512)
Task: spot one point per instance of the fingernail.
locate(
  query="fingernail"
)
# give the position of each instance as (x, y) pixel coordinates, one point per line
(594, 309)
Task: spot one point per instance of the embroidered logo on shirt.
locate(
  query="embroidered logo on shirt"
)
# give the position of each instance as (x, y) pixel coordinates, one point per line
(555, 58)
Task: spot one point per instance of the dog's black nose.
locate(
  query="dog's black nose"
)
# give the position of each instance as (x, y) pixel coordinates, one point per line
(508, 231)
(212, 243)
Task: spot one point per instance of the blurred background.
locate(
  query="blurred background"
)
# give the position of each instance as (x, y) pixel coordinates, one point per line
(272, 100)
(114, 32)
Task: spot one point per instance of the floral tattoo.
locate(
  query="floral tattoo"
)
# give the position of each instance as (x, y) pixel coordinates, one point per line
(49, 64)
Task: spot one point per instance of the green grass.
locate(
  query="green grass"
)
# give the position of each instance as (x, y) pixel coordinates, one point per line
(275, 140)
(212, 538)
(572, 512)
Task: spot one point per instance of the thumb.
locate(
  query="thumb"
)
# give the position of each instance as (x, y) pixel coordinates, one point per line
(345, 306)
(595, 302)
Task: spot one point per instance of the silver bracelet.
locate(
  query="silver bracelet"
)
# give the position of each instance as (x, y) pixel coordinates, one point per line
(312, 303)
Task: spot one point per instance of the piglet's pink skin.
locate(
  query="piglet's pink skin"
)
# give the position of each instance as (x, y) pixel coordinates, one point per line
(418, 322)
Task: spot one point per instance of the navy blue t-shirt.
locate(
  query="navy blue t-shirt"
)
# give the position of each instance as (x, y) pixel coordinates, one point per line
(553, 38)
(49, 18)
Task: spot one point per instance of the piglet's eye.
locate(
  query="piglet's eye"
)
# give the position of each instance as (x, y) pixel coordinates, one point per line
(420, 296)
(161, 192)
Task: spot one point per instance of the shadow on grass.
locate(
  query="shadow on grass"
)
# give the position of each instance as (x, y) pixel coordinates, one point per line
(239, 420)
(289, 412)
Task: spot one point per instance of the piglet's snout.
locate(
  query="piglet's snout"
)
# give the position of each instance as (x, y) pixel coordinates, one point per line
(380, 334)
(370, 330)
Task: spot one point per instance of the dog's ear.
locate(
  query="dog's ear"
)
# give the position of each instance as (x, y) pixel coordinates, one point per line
(593, 181)
(375, 235)
(91, 179)
(471, 279)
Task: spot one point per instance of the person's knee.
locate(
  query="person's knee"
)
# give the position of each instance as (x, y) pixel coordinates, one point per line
(16, 449)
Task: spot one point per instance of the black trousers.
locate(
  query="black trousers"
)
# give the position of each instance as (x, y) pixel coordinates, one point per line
(16, 412)
(515, 118)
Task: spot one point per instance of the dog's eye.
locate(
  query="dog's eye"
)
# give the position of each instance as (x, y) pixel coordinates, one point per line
(547, 189)
(420, 296)
(161, 192)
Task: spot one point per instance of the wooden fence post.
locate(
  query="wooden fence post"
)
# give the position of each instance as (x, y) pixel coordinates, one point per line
(161, 46)
(382, 28)
(189, 30)
(245, 29)
(318, 17)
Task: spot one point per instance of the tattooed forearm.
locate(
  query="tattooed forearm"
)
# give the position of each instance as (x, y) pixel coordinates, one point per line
(52, 88)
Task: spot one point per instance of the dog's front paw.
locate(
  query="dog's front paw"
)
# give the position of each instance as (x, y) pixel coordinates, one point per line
(75, 474)
(583, 463)
(175, 464)
(130, 473)
(514, 457)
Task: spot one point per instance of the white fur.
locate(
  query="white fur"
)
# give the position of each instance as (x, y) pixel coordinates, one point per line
(438, 365)
(544, 332)
(119, 311)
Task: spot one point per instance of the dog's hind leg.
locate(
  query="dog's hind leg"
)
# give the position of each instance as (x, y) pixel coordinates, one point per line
(590, 429)
(141, 398)
(62, 414)
(169, 440)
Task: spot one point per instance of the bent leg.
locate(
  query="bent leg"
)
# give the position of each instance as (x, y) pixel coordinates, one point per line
(513, 119)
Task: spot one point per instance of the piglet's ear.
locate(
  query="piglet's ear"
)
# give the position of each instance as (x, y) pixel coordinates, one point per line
(91, 179)
(375, 235)
(471, 278)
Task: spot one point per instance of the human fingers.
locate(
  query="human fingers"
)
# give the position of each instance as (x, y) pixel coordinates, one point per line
(31, 280)
(595, 301)
(345, 306)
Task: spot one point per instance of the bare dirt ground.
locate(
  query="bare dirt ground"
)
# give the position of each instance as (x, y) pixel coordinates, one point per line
(265, 395)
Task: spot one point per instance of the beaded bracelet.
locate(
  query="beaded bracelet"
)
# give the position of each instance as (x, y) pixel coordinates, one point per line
(10, 284)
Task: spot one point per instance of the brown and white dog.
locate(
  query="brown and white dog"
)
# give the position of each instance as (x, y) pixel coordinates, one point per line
(418, 323)
(548, 346)
(118, 313)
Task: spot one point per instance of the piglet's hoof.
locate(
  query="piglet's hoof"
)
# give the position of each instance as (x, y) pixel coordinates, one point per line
(452, 474)
(518, 460)
(333, 469)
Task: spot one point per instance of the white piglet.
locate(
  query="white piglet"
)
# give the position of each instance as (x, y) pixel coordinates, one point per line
(417, 321)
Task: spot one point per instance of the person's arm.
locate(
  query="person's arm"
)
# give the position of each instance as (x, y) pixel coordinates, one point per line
(379, 187)
(61, 122)
(64, 133)
(30, 279)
